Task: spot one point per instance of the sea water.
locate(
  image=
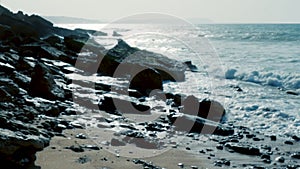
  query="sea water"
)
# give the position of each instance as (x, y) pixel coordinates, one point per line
(261, 59)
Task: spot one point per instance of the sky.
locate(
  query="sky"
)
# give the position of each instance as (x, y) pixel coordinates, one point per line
(219, 11)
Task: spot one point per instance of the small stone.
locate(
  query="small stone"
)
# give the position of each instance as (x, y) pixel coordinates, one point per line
(280, 159)
(194, 167)
(220, 147)
(273, 138)
(188, 148)
(81, 136)
(265, 156)
(77, 148)
(288, 142)
(92, 147)
(296, 138)
(296, 155)
(181, 165)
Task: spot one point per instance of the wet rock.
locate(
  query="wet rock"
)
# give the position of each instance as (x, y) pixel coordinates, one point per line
(292, 93)
(54, 41)
(42, 84)
(81, 136)
(243, 149)
(296, 138)
(73, 44)
(208, 109)
(76, 148)
(222, 162)
(7, 68)
(191, 66)
(237, 88)
(91, 147)
(181, 165)
(146, 81)
(196, 125)
(288, 142)
(52, 111)
(84, 159)
(220, 147)
(131, 61)
(273, 138)
(296, 155)
(280, 159)
(145, 164)
(118, 106)
(17, 149)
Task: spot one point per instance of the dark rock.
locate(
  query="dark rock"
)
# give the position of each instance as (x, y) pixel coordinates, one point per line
(83, 160)
(53, 40)
(118, 106)
(237, 88)
(222, 162)
(91, 147)
(76, 148)
(131, 61)
(6, 68)
(296, 138)
(266, 156)
(207, 109)
(296, 155)
(146, 81)
(292, 93)
(273, 138)
(280, 159)
(191, 66)
(73, 44)
(17, 149)
(81, 136)
(145, 164)
(42, 84)
(243, 149)
(220, 147)
(288, 142)
(196, 125)
(52, 111)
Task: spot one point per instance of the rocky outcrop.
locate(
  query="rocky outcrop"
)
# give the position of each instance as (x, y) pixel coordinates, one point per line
(19, 143)
(129, 59)
(42, 84)
(208, 109)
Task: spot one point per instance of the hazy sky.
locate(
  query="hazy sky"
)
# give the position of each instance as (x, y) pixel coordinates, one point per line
(216, 10)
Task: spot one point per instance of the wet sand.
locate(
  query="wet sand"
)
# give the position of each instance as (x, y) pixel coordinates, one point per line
(56, 156)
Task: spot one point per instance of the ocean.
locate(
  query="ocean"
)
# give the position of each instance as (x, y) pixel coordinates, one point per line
(261, 60)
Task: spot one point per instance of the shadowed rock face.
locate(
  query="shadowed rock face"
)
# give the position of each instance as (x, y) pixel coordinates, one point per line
(208, 109)
(43, 85)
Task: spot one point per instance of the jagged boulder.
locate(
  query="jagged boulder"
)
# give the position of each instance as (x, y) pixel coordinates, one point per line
(42, 84)
(19, 143)
(123, 54)
(208, 109)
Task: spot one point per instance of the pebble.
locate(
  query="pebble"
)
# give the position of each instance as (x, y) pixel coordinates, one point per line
(81, 136)
(273, 138)
(181, 165)
(280, 159)
(296, 155)
(288, 142)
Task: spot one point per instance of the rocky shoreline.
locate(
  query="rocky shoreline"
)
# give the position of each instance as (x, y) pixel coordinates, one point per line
(41, 98)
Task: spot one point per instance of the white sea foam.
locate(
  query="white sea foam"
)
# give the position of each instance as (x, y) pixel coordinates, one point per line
(282, 80)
